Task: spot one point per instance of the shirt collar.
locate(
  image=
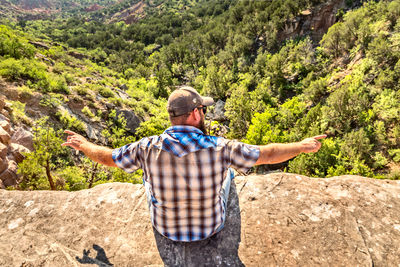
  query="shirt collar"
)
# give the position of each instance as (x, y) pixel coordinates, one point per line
(183, 129)
(183, 139)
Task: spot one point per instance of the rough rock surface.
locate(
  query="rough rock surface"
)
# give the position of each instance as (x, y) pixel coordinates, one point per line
(17, 151)
(5, 138)
(219, 112)
(316, 22)
(273, 220)
(11, 148)
(9, 176)
(132, 121)
(23, 137)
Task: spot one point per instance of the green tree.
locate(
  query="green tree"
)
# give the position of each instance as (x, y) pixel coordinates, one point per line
(37, 169)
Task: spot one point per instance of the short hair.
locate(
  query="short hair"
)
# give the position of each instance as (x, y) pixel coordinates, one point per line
(179, 120)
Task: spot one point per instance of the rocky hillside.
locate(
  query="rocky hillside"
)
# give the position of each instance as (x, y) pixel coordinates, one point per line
(109, 11)
(273, 220)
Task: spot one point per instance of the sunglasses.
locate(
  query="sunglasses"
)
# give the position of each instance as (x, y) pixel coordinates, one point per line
(204, 108)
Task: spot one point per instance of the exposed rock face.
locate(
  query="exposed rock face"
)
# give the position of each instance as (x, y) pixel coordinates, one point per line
(77, 55)
(11, 148)
(39, 45)
(132, 121)
(316, 22)
(219, 112)
(9, 176)
(23, 138)
(273, 220)
(5, 138)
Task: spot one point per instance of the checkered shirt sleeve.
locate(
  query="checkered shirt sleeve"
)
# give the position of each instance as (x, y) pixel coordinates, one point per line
(241, 156)
(127, 157)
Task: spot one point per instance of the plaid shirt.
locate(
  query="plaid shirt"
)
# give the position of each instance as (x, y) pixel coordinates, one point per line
(183, 171)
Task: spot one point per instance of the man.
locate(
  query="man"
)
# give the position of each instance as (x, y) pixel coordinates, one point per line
(187, 173)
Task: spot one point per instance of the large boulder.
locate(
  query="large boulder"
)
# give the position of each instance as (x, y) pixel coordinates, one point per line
(9, 176)
(2, 103)
(23, 137)
(4, 118)
(3, 151)
(3, 164)
(273, 220)
(5, 137)
(17, 151)
(219, 112)
(5, 125)
(132, 121)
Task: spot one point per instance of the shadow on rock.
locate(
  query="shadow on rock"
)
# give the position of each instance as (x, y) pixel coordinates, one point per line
(100, 259)
(218, 250)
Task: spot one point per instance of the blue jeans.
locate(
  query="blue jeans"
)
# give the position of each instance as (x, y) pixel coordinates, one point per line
(225, 196)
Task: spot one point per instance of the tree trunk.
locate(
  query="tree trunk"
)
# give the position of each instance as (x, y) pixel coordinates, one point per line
(49, 177)
(93, 174)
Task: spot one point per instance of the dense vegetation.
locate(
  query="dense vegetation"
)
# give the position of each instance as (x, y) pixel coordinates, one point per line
(346, 85)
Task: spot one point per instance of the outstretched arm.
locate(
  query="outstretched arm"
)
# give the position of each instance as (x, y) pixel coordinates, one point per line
(100, 154)
(276, 153)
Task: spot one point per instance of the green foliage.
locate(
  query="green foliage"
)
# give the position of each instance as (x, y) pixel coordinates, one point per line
(35, 73)
(318, 164)
(264, 129)
(238, 109)
(87, 112)
(346, 86)
(356, 145)
(119, 175)
(105, 92)
(387, 106)
(18, 115)
(14, 45)
(380, 160)
(37, 169)
(51, 100)
(70, 121)
(73, 178)
(116, 133)
(395, 154)
(154, 126)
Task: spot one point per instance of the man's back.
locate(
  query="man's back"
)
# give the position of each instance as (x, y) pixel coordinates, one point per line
(184, 171)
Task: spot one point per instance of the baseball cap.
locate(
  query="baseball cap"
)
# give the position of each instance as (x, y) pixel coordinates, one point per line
(185, 99)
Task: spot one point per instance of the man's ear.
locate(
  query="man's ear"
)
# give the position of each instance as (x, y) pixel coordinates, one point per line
(196, 114)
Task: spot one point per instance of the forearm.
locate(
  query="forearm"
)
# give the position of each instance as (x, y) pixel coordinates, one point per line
(100, 154)
(277, 153)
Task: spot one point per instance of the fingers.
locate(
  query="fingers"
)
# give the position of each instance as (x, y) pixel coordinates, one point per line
(68, 144)
(70, 132)
(322, 136)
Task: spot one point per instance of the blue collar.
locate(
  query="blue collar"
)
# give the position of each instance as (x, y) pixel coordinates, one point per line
(182, 140)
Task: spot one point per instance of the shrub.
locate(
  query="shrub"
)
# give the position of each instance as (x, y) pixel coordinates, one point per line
(154, 126)
(25, 92)
(73, 177)
(71, 122)
(105, 92)
(18, 113)
(87, 112)
(395, 154)
(14, 45)
(58, 84)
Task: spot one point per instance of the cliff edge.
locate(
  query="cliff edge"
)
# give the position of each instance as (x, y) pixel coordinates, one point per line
(276, 219)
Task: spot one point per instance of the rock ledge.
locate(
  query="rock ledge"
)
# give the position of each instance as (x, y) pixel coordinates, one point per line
(284, 220)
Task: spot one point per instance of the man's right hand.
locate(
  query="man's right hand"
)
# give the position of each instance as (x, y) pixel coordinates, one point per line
(100, 154)
(75, 140)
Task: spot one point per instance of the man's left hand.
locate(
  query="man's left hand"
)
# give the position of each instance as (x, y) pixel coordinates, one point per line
(312, 144)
